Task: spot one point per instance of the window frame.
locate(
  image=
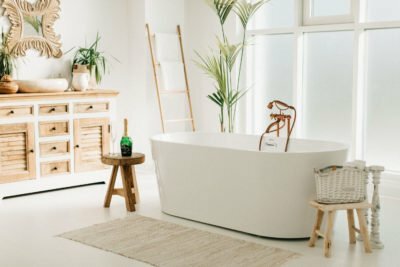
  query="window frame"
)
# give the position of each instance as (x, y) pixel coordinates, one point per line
(309, 19)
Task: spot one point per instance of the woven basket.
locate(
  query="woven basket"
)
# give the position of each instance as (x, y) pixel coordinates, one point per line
(336, 184)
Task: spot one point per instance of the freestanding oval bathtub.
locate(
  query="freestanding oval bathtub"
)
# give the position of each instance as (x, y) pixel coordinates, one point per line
(223, 180)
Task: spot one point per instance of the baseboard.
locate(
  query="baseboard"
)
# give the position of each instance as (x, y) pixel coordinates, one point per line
(52, 190)
(390, 185)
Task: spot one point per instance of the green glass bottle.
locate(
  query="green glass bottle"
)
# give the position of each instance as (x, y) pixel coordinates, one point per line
(126, 142)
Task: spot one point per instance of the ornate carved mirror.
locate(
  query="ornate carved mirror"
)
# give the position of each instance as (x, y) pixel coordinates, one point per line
(32, 26)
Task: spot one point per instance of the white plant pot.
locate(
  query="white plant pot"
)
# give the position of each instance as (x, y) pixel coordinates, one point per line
(80, 81)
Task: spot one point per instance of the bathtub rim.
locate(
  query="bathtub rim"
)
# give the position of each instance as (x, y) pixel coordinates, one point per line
(157, 138)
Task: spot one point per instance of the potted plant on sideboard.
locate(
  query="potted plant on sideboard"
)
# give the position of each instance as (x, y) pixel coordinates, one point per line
(92, 61)
(7, 85)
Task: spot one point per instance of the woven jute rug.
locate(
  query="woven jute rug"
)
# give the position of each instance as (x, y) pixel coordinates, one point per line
(160, 243)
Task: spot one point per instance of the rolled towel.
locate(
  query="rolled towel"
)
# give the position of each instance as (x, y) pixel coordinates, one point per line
(167, 47)
(172, 75)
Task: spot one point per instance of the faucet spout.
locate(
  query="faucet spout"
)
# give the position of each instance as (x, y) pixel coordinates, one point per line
(281, 119)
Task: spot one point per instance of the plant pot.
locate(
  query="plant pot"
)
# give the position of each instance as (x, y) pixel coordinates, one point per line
(80, 81)
(93, 83)
(86, 69)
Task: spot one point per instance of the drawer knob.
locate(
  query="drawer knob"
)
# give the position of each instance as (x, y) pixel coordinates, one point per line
(12, 112)
(54, 148)
(32, 151)
(52, 110)
(55, 169)
(77, 146)
(54, 128)
(90, 107)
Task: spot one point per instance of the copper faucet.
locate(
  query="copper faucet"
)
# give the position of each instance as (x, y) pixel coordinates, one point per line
(280, 121)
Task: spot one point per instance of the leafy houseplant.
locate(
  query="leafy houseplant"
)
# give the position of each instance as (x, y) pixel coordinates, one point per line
(221, 65)
(93, 59)
(6, 60)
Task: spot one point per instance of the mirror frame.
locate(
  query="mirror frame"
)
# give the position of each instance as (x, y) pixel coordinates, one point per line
(49, 44)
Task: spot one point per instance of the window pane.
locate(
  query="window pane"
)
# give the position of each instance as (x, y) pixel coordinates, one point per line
(328, 86)
(330, 8)
(272, 74)
(383, 95)
(275, 13)
(379, 10)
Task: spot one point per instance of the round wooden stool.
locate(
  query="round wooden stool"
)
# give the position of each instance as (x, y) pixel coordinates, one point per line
(331, 209)
(130, 189)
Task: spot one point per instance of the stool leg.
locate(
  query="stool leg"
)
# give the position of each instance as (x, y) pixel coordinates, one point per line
(328, 234)
(364, 230)
(127, 181)
(317, 227)
(135, 186)
(350, 222)
(109, 194)
(130, 183)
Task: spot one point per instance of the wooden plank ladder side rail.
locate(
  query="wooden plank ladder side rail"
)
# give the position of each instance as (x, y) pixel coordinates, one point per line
(153, 61)
(160, 92)
(178, 28)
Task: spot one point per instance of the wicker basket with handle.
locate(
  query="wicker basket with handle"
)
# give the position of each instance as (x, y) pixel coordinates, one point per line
(337, 184)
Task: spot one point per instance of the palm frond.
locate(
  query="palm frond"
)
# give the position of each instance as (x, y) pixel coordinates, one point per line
(215, 68)
(35, 22)
(222, 7)
(229, 52)
(245, 10)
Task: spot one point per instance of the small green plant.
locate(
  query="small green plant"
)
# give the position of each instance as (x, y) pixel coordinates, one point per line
(6, 59)
(94, 59)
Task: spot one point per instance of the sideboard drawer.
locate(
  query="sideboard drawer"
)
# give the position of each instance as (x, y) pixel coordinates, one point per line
(53, 128)
(53, 168)
(92, 107)
(54, 148)
(17, 111)
(56, 109)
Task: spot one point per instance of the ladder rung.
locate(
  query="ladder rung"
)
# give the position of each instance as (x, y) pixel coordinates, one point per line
(170, 61)
(167, 92)
(319, 233)
(164, 33)
(179, 120)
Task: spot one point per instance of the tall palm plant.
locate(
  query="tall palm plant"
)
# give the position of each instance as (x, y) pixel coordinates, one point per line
(220, 65)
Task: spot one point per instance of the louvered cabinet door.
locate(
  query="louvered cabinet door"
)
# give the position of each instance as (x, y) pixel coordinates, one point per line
(92, 140)
(17, 154)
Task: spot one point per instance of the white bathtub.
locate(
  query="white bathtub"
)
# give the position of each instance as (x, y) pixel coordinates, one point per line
(222, 179)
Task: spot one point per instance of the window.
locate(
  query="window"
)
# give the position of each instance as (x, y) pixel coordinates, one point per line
(342, 77)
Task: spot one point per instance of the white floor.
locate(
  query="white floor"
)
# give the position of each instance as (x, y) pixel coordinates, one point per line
(29, 226)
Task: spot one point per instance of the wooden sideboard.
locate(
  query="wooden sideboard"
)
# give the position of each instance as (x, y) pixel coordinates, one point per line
(54, 134)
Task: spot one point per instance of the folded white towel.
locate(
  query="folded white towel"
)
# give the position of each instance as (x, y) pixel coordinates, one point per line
(173, 76)
(167, 47)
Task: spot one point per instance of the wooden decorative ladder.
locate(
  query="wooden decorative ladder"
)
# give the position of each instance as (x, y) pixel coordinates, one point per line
(160, 92)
